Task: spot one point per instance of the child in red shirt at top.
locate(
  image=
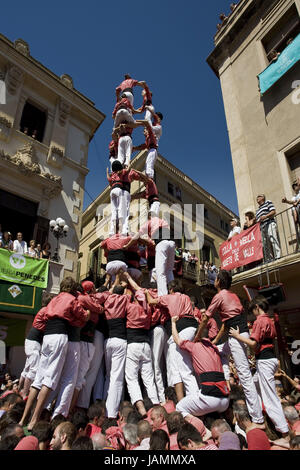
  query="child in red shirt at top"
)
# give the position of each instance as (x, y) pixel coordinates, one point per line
(261, 340)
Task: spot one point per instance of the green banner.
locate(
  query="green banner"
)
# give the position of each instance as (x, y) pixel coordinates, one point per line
(19, 298)
(23, 269)
(12, 331)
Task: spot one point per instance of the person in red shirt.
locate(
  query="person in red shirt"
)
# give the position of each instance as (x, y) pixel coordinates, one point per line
(123, 112)
(212, 327)
(33, 345)
(116, 196)
(115, 347)
(213, 395)
(126, 87)
(151, 145)
(63, 313)
(138, 357)
(261, 341)
(232, 314)
(113, 149)
(256, 438)
(151, 194)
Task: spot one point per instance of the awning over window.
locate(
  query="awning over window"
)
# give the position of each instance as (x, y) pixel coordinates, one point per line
(287, 59)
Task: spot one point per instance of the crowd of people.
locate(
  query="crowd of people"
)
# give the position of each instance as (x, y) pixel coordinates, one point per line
(32, 249)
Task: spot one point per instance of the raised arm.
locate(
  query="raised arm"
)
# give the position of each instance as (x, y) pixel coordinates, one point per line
(131, 282)
(219, 335)
(150, 299)
(201, 327)
(236, 334)
(175, 334)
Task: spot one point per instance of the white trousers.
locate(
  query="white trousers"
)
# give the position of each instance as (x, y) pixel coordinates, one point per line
(198, 404)
(117, 208)
(114, 266)
(125, 149)
(87, 351)
(155, 206)
(158, 339)
(138, 359)
(266, 369)
(53, 354)
(123, 115)
(148, 114)
(66, 386)
(126, 197)
(129, 96)
(32, 351)
(224, 351)
(164, 265)
(181, 363)
(150, 162)
(240, 357)
(115, 356)
(91, 376)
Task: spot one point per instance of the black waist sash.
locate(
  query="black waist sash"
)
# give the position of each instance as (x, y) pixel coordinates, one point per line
(117, 184)
(87, 333)
(152, 198)
(126, 186)
(238, 320)
(214, 384)
(132, 256)
(102, 326)
(128, 89)
(73, 334)
(35, 335)
(116, 255)
(56, 326)
(181, 324)
(267, 353)
(117, 328)
(151, 262)
(137, 335)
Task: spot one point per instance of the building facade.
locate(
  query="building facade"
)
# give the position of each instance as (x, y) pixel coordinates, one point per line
(45, 129)
(176, 191)
(256, 57)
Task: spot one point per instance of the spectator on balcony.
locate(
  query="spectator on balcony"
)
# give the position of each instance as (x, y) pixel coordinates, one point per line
(39, 250)
(295, 201)
(250, 220)
(186, 255)
(20, 246)
(46, 253)
(265, 215)
(6, 242)
(235, 228)
(32, 250)
(193, 261)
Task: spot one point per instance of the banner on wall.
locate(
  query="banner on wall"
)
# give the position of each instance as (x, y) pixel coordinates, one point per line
(242, 249)
(18, 298)
(22, 269)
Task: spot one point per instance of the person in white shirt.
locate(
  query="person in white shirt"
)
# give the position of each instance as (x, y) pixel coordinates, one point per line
(32, 250)
(20, 246)
(235, 229)
(295, 201)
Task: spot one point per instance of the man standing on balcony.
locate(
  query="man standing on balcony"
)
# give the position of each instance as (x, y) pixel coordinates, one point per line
(265, 216)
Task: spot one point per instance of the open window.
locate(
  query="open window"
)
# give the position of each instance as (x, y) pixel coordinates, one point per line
(33, 121)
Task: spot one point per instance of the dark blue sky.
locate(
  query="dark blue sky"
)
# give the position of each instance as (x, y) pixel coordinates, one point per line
(164, 42)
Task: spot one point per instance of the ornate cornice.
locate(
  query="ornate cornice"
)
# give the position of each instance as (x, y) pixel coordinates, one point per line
(14, 80)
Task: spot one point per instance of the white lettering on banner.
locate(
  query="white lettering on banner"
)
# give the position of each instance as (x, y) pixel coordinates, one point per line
(226, 249)
(248, 252)
(250, 238)
(227, 261)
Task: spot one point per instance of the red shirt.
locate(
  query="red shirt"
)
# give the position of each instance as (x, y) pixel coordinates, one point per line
(92, 429)
(116, 242)
(66, 306)
(101, 296)
(92, 304)
(169, 406)
(147, 99)
(205, 356)
(123, 103)
(128, 83)
(197, 423)
(263, 330)
(39, 321)
(134, 176)
(258, 440)
(150, 141)
(177, 304)
(226, 303)
(152, 226)
(212, 326)
(116, 305)
(173, 441)
(138, 317)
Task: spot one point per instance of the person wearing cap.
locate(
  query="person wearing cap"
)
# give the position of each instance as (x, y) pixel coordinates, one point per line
(126, 87)
(235, 229)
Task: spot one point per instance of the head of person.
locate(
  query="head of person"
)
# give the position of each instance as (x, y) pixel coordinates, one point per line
(234, 223)
(188, 438)
(218, 427)
(158, 415)
(295, 443)
(5, 235)
(32, 243)
(259, 305)
(119, 290)
(223, 280)
(80, 420)
(46, 298)
(108, 423)
(291, 414)
(46, 246)
(130, 435)
(170, 394)
(82, 443)
(127, 76)
(175, 421)
(38, 247)
(8, 402)
(134, 417)
(12, 429)
(9, 443)
(124, 412)
(116, 166)
(160, 116)
(68, 285)
(99, 441)
(63, 437)
(296, 187)
(88, 287)
(261, 199)
(249, 218)
(19, 236)
(159, 440)
(96, 414)
(43, 432)
(175, 286)
(58, 419)
(144, 430)
(242, 416)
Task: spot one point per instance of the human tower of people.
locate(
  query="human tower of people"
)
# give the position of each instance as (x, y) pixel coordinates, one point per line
(86, 345)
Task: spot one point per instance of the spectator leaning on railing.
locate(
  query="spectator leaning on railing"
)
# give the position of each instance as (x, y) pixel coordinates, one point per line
(265, 215)
(20, 246)
(6, 242)
(295, 201)
(250, 220)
